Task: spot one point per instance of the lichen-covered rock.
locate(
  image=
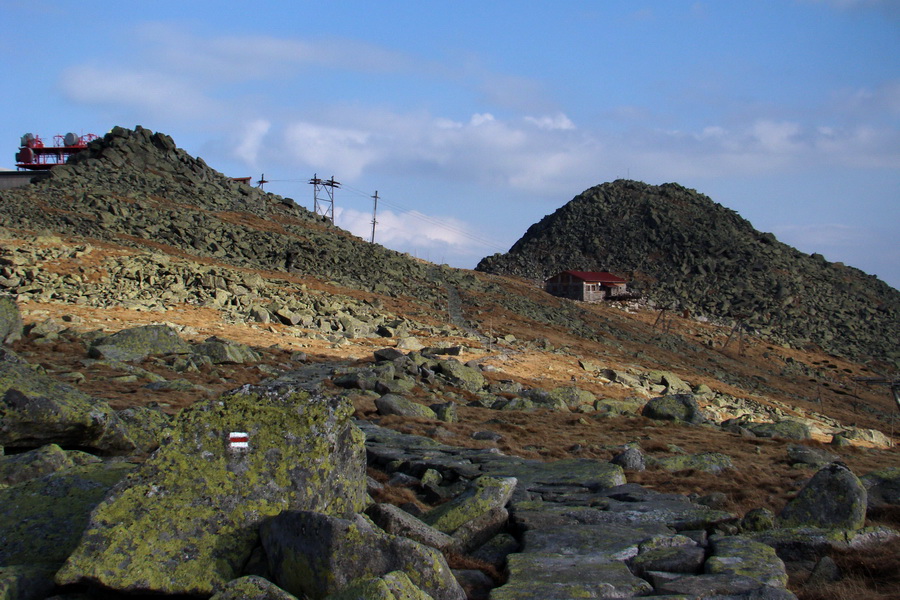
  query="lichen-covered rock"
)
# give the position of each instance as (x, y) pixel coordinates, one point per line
(394, 586)
(35, 409)
(834, 498)
(225, 352)
(630, 459)
(196, 504)
(137, 343)
(577, 400)
(393, 404)
(397, 521)
(758, 519)
(460, 375)
(555, 576)
(145, 426)
(10, 321)
(674, 407)
(26, 582)
(883, 487)
(34, 463)
(41, 520)
(711, 462)
(786, 429)
(315, 555)
(741, 556)
(252, 587)
(484, 495)
(807, 455)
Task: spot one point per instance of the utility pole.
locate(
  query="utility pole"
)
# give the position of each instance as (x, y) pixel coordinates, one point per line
(374, 211)
(324, 205)
(262, 181)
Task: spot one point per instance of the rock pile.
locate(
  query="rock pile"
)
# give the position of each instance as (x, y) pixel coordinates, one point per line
(683, 250)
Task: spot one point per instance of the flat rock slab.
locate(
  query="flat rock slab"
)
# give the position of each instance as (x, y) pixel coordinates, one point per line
(608, 542)
(557, 577)
(188, 519)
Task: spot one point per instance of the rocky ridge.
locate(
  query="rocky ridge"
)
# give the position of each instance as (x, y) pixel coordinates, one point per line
(685, 251)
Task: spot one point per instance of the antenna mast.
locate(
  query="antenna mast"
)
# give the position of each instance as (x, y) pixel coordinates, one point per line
(324, 205)
(374, 211)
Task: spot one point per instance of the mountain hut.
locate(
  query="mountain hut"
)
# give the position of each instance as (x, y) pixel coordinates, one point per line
(587, 286)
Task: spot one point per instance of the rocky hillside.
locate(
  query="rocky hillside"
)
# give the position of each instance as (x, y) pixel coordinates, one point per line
(685, 251)
(208, 392)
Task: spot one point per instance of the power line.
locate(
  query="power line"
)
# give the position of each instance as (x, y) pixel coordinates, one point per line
(410, 212)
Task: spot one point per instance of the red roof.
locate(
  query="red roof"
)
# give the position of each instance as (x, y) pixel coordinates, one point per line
(596, 277)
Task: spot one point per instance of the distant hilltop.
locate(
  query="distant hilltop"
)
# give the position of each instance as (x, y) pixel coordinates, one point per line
(686, 252)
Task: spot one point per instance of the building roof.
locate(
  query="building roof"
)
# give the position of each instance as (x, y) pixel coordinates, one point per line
(595, 276)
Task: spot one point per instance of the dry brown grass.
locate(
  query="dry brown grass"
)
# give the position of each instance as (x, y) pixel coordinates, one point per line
(871, 573)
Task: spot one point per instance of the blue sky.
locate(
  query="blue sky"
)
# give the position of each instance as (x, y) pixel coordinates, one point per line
(473, 120)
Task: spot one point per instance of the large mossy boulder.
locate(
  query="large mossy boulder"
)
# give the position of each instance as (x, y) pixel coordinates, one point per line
(42, 519)
(883, 487)
(674, 407)
(394, 404)
(188, 519)
(785, 429)
(10, 321)
(137, 343)
(833, 499)
(314, 555)
(35, 410)
(32, 464)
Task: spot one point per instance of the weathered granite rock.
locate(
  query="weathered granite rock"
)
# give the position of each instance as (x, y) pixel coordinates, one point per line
(807, 455)
(393, 404)
(786, 429)
(833, 498)
(397, 521)
(631, 459)
(883, 487)
(575, 399)
(672, 559)
(197, 503)
(42, 519)
(35, 409)
(460, 375)
(395, 585)
(741, 556)
(674, 407)
(137, 343)
(26, 582)
(484, 495)
(558, 577)
(34, 463)
(225, 352)
(146, 427)
(10, 321)
(315, 555)
(758, 519)
(251, 587)
(711, 462)
(474, 533)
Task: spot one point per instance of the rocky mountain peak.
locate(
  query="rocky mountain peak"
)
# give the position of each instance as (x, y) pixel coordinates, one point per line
(683, 250)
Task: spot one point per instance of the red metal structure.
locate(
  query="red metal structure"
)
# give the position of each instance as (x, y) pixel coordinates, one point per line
(33, 155)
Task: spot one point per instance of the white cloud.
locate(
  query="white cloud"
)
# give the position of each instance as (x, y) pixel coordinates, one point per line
(412, 229)
(250, 142)
(557, 121)
(334, 149)
(147, 91)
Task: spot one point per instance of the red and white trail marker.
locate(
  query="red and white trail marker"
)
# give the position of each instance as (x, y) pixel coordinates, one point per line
(239, 440)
